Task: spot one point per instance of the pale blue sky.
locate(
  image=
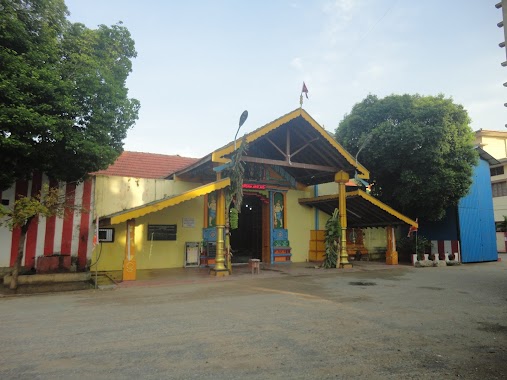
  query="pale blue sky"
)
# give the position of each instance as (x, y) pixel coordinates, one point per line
(201, 63)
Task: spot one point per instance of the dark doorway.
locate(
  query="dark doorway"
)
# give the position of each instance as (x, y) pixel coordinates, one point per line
(246, 240)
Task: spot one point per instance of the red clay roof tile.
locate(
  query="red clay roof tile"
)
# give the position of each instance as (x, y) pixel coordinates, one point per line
(146, 165)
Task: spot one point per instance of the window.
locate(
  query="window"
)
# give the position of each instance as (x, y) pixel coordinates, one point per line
(500, 226)
(499, 189)
(496, 171)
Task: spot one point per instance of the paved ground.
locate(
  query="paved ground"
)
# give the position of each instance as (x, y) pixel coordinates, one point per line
(373, 322)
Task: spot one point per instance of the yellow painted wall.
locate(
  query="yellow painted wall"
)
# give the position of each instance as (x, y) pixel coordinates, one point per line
(327, 188)
(494, 145)
(300, 220)
(375, 239)
(114, 194)
(156, 254)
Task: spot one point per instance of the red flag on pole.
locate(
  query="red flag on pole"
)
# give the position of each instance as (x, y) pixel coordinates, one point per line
(305, 90)
(412, 229)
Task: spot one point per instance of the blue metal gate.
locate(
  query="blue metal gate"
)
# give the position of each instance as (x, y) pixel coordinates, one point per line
(476, 219)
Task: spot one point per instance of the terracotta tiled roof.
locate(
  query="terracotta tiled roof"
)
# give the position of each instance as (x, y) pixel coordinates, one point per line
(146, 165)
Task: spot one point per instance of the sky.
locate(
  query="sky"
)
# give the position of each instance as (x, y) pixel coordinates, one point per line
(200, 64)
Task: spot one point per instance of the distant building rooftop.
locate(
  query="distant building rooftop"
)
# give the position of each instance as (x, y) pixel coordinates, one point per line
(146, 165)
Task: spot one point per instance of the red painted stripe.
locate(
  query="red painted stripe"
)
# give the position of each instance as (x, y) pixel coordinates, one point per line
(20, 190)
(441, 248)
(84, 225)
(68, 219)
(31, 235)
(454, 246)
(49, 238)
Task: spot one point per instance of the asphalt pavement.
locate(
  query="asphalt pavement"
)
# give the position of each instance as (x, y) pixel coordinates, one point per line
(296, 322)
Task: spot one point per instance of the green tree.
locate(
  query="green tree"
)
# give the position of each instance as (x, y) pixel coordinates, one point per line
(64, 108)
(419, 150)
(234, 195)
(48, 202)
(332, 241)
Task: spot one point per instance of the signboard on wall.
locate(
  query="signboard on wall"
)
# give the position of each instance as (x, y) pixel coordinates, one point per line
(188, 223)
(162, 231)
(254, 186)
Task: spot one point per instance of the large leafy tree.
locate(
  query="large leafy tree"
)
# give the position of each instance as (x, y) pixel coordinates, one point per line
(419, 150)
(64, 108)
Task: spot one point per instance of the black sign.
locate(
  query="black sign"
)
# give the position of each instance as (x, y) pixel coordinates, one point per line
(161, 232)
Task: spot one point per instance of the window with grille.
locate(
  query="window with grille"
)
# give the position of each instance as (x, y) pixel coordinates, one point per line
(499, 189)
(496, 171)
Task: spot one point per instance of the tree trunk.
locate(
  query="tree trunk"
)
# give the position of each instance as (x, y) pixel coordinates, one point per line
(19, 257)
(228, 255)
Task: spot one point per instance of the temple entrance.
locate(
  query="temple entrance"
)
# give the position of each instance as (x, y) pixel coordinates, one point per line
(246, 240)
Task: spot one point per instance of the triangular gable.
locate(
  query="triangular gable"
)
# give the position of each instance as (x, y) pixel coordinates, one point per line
(220, 155)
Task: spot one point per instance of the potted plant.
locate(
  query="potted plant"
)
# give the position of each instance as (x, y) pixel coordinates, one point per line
(407, 246)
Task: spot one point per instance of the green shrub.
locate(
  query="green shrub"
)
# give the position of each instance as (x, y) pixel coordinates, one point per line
(406, 246)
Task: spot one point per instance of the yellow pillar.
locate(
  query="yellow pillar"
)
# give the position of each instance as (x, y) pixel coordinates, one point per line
(129, 263)
(220, 269)
(342, 178)
(391, 253)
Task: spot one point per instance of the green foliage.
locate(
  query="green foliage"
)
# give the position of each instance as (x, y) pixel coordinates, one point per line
(234, 193)
(422, 158)
(233, 218)
(64, 108)
(332, 240)
(419, 244)
(48, 202)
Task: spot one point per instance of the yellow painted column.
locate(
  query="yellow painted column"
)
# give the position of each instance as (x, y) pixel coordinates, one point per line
(342, 178)
(129, 263)
(220, 269)
(391, 253)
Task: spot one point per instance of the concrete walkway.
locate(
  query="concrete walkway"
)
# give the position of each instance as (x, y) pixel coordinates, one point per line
(155, 277)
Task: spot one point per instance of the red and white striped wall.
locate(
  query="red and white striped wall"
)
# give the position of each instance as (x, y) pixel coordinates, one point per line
(443, 246)
(71, 235)
(446, 246)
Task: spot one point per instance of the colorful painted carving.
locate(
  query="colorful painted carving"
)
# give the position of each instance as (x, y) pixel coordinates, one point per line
(212, 210)
(278, 210)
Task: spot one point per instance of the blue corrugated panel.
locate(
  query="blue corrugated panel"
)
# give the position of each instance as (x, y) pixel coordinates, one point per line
(476, 219)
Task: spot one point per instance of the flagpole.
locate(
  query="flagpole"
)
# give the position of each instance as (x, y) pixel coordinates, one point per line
(305, 90)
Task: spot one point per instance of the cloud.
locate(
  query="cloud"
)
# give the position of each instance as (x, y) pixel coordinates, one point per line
(339, 13)
(374, 71)
(341, 10)
(297, 63)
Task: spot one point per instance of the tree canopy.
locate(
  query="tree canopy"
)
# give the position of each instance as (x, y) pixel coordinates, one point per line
(418, 149)
(64, 106)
